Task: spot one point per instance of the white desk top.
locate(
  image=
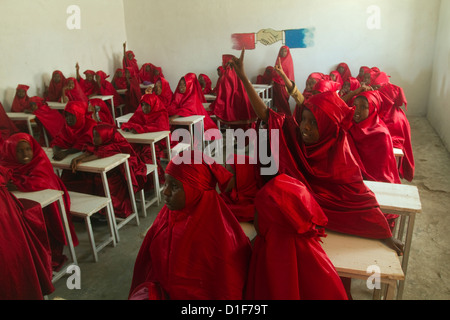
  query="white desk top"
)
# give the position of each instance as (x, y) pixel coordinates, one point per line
(125, 117)
(210, 97)
(106, 97)
(96, 166)
(186, 120)
(148, 137)
(121, 91)
(43, 197)
(398, 152)
(57, 105)
(20, 116)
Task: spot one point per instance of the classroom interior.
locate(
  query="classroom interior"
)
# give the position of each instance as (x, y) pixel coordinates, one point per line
(406, 39)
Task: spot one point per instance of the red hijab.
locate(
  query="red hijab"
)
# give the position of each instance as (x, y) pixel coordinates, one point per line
(51, 119)
(102, 111)
(38, 175)
(366, 70)
(156, 120)
(26, 271)
(119, 82)
(7, 127)
(133, 94)
(77, 93)
(288, 262)
(55, 88)
(21, 104)
(231, 103)
(266, 77)
(326, 86)
(201, 251)
(78, 135)
(373, 144)
(347, 73)
(207, 89)
(166, 92)
(144, 75)
(288, 66)
(89, 87)
(106, 88)
(131, 63)
(190, 102)
(329, 168)
(338, 78)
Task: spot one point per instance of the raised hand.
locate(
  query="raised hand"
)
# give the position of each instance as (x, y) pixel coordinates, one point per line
(238, 65)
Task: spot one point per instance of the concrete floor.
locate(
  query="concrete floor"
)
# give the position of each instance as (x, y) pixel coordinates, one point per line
(428, 275)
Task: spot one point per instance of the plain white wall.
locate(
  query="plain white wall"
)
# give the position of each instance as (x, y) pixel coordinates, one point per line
(191, 36)
(439, 102)
(35, 41)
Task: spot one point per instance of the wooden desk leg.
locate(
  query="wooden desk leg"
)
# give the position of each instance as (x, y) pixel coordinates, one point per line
(30, 129)
(390, 290)
(408, 240)
(113, 109)
(131, 191)
(111, 207)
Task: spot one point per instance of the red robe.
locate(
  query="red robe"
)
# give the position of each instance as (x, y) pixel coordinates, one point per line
(106, 89)
(25, 268)
(119, 82)
(280, 94)
(52, 120)
(329, 168)
(7, 127)
(77, 93)
(54, 92)
(166, 94)
(288, 262)
(347, 73)
(35, 176)
(89, 87)
(133, 94)
(21, 104)
(199, 252)
(131, 63)
(102, 111)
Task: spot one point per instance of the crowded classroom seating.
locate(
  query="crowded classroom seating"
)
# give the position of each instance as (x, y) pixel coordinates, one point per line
(91, 148)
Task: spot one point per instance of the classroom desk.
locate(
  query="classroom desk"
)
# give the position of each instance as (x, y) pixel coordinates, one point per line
(403, 200)
(123, 119)
(44, 198)
(22, 116)
(104, 98)
(122, 91)
(210, 97)
(57, 105)
(265, 91)
(190, 122)
(102, 166)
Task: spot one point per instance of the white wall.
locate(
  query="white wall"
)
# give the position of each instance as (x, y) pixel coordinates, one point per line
(191, 36)
(439, 102)
(35, 41)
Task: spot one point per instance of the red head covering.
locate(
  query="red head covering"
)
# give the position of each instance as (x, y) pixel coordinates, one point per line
(287, 64)
(133, 94)
(89, 87)
(7, 127)
(78, 135)
(190, 102)
(191, 253)
(366, 70)
(207, 89)
(77, 93)
(266, 77)
(106, 88)
(145, 75)
(231, 103)
(166, 92)
(102, 111)
(55, 89)
(338, 77)
(378, 78)
(119, 82)
(156, 120)
(38, 175)
(347, 73)
(131, 63)
(21, 104)
(51, 119)
(373, 144)
(326, 86)
(288, 262)
(329, 168)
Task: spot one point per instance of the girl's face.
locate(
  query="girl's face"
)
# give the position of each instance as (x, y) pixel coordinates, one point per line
(71, 119)
(333, 77)
(56, 77)
(89, 77)
(148, 68)
(367, 78)
(346, 87)
(97, 139)
(157, 89)
(119, 73)
(146, 108)
(308, 127)
(310, 84)
(341, 70)
(201, 81)
(130, 56)
(361, 72)
(173, 192)
(182, 86)
(70, 85)
(361, 110)
(283, 52)
(24, 152)
(20, 93)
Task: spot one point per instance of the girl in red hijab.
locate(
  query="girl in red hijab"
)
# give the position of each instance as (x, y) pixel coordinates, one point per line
(151, 116)
(133, 94)
(288, 262)
(25, 271)
(372, 141)
(99, 111)
(51, 119)
(119, 81)
(362, 73)
(54, 91)
(205, 83)
(88, 85)
(349, 85)
(344, 71)
(280, 95)
(231, 103)
(266, 77)
(105, 88)
(32, 171)
(107, 142)
(163, 91)
(20, 102)
(72, 91)
(188, 101)
(129, 61)
(336, 77)
(195, 248)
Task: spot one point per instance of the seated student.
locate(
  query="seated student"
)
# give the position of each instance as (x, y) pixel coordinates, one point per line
(54, 91)
(362, 74)
(288, 262)
(189, 253)
(88, 85)
(245, 183)
(396, 121)
(163, 91)
(232, 103)
(312, 79)
(49, 119)
(349, 85)
(129, 61)
(105, 88)
(26, 271)
(188, 101)
(20, 102)
(372, 141)
(266, 77)
(119, 81)
(336, 77)
(32, 171)
(133, 94)
(72, 91)
(316, 152)
(106, 142)
(7, 127)
(149, 73)
(205, 83)
(151, 116)
(280, 96)
(344, 71)
(99, 111)
(77, 131)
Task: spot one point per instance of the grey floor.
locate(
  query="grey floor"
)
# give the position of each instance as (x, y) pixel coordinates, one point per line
(428, 275)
